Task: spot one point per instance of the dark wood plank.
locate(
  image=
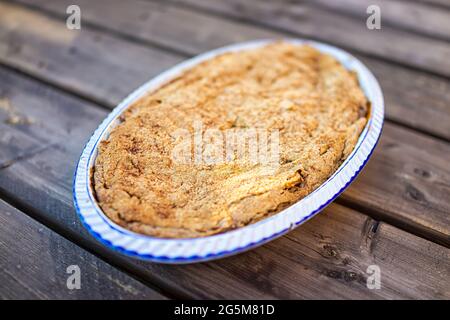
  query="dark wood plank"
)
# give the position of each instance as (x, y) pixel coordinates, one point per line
(297, 17)
(154, 22)
(325, 258)
(36, 44)
(415, 17)
(34, 262)
(378, 244)
(308, 20)
(407, 183)
(406, 91)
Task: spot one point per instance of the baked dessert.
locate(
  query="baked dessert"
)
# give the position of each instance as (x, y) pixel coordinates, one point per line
(310, 108)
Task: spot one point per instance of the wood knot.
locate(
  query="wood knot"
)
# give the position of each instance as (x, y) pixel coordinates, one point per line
(330, 251)
(415, 194)
(422, 173)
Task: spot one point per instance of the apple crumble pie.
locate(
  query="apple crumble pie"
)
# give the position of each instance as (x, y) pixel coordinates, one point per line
(310, 106)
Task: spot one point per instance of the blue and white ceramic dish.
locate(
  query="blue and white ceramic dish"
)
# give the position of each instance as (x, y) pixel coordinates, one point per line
(239, 240)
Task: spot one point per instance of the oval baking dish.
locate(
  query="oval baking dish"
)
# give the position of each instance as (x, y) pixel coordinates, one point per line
(244, 238)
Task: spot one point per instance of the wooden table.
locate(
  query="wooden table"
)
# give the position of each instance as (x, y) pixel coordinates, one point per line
(56, 85)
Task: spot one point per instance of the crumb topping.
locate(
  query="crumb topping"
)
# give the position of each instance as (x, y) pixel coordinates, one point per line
(314, 104)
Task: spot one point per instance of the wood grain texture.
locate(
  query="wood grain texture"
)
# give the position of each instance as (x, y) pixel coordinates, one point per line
(34, 261)
(408, 15)
(407, 182)
(443, 4)
(350, 32)
(325, 258)
(406, 91)
(406, 94)
(69, 58)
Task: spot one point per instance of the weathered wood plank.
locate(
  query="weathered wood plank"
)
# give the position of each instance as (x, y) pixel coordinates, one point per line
(407, 181)
(406, 91)
(425, 216)
(34, 262)
(304, 19)
(325, 258)
(37, 45)
(416, 17)
(378, 244)
(296, 17)
(156, 23)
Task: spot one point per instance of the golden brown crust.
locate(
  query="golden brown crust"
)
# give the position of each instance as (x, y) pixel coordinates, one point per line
(308, 97)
